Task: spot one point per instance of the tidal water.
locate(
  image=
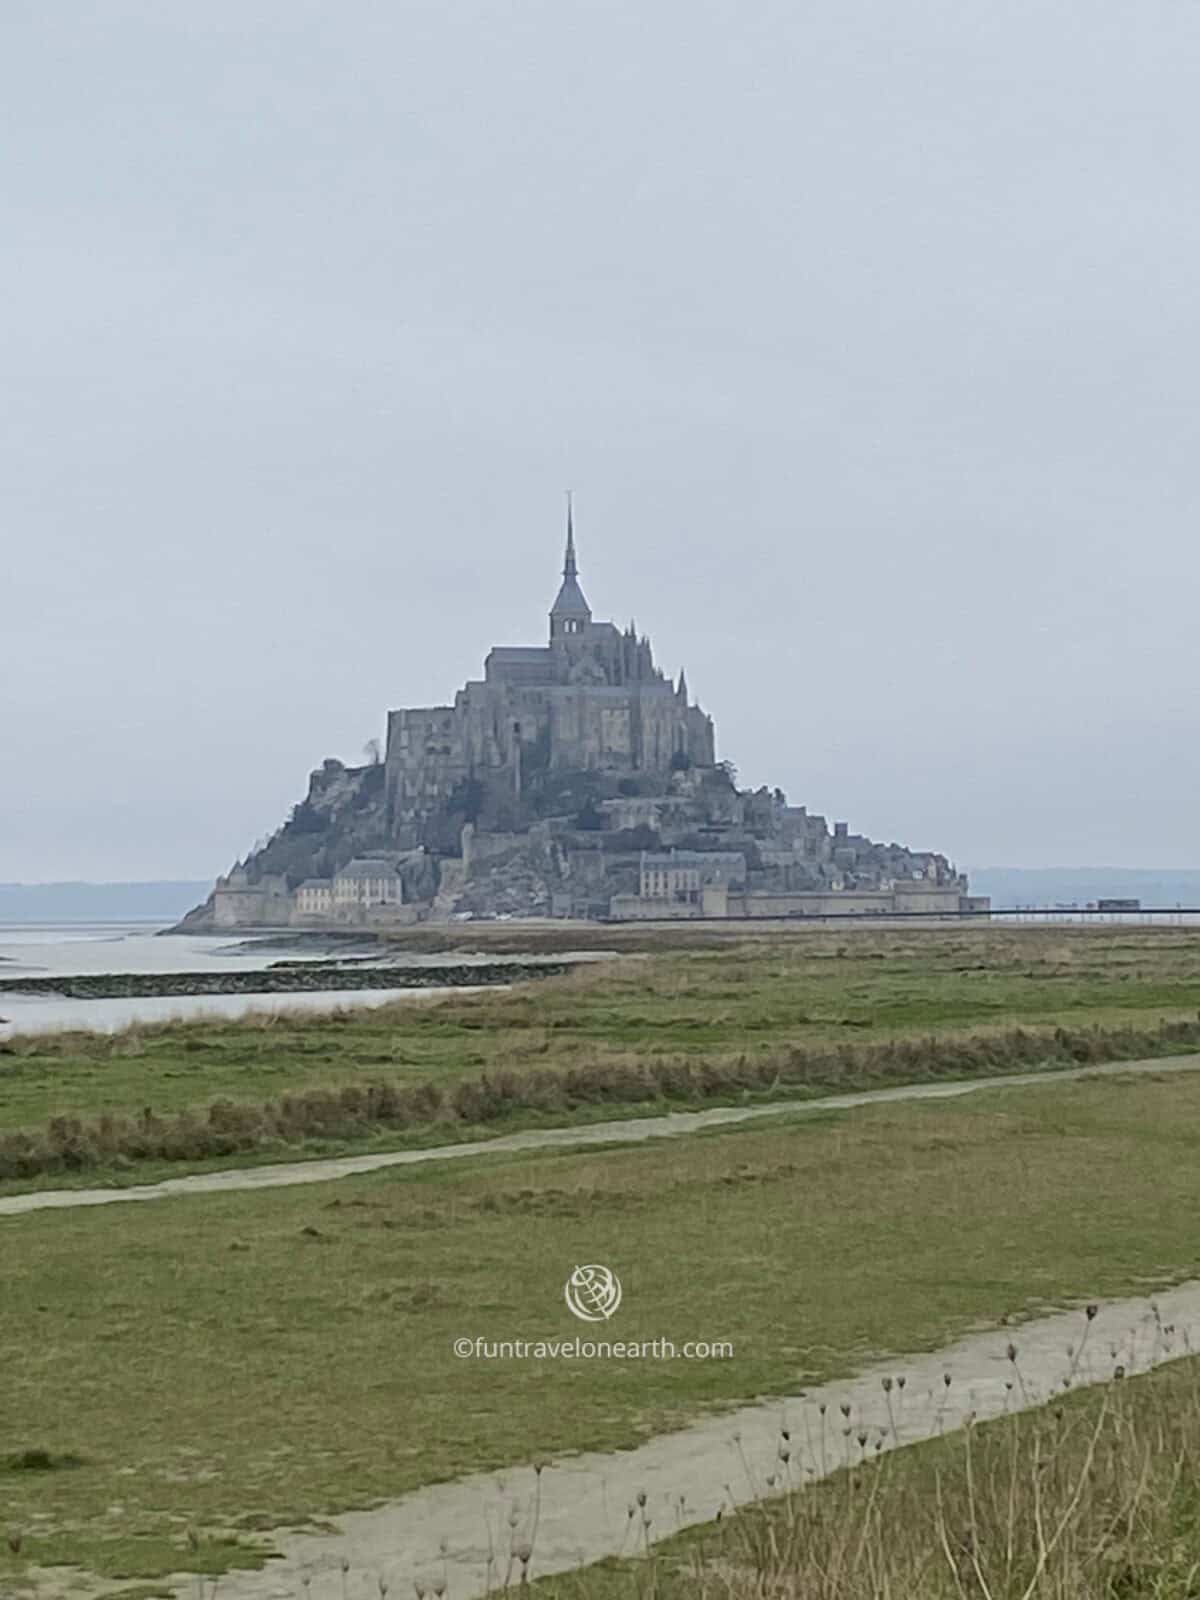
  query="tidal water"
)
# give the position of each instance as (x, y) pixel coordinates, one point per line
(124, 947)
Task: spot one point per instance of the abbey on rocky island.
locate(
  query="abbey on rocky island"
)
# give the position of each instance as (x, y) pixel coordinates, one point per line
(574, 779)
(589, 700)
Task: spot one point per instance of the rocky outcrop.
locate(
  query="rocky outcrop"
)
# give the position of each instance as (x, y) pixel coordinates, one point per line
(570, 864)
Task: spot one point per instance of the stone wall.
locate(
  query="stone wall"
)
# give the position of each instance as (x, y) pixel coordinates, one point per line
(426, 757)
(841, 903)
(495, 734)
(238, 903)
(718, 901)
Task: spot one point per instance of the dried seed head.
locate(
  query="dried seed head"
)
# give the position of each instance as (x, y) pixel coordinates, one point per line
(901, 1381)
(641, 1497)
(845, 1408)
(1012, 1353)
(887, 1386)
(946, 1379)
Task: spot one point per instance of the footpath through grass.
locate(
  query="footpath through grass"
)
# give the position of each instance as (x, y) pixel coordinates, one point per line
(744, 1009)
(227, 1363)
(1095, 1497)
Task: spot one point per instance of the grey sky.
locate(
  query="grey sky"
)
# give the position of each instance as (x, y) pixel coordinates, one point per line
(866, 334)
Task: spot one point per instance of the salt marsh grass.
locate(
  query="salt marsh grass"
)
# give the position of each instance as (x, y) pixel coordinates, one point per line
(1091, 1495)
(765, 1015)
(241, 1362)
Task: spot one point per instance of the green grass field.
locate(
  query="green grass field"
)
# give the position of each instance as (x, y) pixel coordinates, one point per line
(227, 1363)
(749, 995)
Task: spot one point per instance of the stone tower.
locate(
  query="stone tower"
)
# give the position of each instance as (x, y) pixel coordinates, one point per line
(570, 614)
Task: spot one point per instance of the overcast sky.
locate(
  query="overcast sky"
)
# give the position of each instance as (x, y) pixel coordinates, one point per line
(866, 333)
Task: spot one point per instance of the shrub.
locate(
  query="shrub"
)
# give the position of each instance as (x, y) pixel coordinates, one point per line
(227, 1127)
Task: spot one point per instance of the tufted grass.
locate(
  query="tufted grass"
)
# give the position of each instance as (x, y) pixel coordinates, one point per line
(1093, 1497)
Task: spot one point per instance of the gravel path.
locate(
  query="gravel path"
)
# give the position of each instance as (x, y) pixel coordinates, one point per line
(447, 1530)
(630, 1129)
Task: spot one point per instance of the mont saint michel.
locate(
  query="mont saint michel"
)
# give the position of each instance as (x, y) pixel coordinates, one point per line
(573, 779)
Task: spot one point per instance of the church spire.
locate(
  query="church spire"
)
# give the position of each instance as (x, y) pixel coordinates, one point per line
(570, 570)
(570, 613)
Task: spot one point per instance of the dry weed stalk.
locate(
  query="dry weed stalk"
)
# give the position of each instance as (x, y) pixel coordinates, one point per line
(1090, 1496)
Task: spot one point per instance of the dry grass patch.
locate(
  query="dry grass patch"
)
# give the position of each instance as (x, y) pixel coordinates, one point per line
(1095, 1496)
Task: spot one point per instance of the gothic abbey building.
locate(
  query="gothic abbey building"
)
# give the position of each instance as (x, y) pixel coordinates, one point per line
(590, 700)
(573, 779)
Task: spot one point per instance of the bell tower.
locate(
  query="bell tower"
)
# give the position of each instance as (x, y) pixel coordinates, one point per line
(570, 615)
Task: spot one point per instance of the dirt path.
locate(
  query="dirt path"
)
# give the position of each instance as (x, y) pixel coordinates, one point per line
(448, 1530)
(630, 1129)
